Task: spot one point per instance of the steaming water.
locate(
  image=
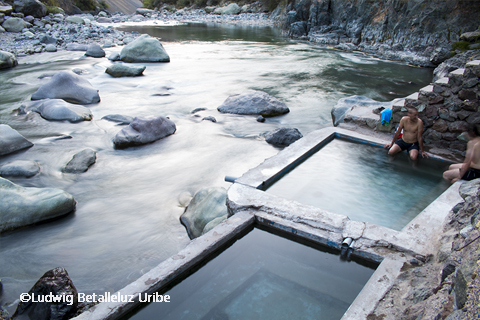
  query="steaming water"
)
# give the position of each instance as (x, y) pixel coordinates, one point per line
(129, 202)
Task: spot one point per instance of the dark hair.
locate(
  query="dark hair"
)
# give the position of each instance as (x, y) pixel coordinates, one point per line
(473, 129)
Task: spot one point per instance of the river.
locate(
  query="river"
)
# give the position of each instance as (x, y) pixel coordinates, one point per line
(129, 202)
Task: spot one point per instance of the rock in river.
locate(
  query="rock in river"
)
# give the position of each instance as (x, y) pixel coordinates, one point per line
(58, 109)
(283, 137)
(143, 130)
(120, 70)
(11, 140)
(7, 60)
(68, 86)
(144, 49)
(57, 283)
(20, 168)
(254, 103)
(25, 206)
(207, 209)
(81, 161)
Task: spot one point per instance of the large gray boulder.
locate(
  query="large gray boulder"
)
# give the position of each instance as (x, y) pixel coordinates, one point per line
(94, 50)
(57, 283)
(121, 70)
(20, 168)
(206, 210)
(75, 19)
(283, 137)
(144, 49)
(68, 86)
(30, 7)
(81, 161)
(11, 140)
(253, 102)
(26, 206)
(14, 25)
(7, 60)
(232, 8)
(58, 110)
(469, 188)
(143, 130)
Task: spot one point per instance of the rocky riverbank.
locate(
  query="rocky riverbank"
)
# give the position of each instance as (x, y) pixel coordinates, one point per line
(59, 31)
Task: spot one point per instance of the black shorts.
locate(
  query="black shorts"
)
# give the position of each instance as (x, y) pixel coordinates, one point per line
(407, 146)
(471, 174)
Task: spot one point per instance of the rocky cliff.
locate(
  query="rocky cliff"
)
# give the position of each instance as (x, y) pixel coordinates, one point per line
(417, 31)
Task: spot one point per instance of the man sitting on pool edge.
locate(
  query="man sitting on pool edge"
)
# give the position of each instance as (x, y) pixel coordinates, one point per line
(470, 168)
(411, 140)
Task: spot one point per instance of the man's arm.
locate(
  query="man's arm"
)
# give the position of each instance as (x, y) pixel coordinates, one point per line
(397, 133)
(420, 139)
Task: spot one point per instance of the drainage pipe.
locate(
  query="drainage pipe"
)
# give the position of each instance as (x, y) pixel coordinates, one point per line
(345, 245)
(230, 179)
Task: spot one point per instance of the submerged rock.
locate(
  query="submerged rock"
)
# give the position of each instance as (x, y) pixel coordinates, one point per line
(26, 206)
(144, 49)
(120, 70)
(253, 103)
(20, 168)
(54, 282)
(143, 130)
(7, 60)
(68, 86)
(121, 119)
(11, 140)
(81, 161)
(283, 137)
(58, 109)
(206, 210)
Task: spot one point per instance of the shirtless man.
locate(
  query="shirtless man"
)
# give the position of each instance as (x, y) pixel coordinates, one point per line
(470, 168)
(411, 139)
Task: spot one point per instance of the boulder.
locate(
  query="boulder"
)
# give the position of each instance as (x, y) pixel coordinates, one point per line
(364, 106)
(26, 206)
(20, 168)
(207, 209)
(75, 19)
(6, 9)
(68, 86)
(144, 49)
(77, 47)
(14, 25)
(121, 119)
(58, 110)
(253, 102)
(121, 70)
(81, 161)
(94, 50)
(143, 130)
(30, 7)
(51, 48)
(11, 140)
(232, 8)
(469, 188)
(7, 60)
(55, 282)
(283, 137)
(144, 11)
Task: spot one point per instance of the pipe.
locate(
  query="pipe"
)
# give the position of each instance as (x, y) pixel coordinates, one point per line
(230, 179)
(347, 248)
(350, 250)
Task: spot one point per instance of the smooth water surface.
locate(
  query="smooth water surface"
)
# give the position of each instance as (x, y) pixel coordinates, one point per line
(364, 183)
(129, 202)
(265, 276)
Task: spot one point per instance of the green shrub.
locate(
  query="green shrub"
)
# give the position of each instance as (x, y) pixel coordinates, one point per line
(85, 5)
(103, 4)
(460, 45)
(54, 9)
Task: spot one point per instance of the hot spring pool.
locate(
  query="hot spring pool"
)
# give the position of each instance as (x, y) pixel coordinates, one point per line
(265, 276)
(363, 183)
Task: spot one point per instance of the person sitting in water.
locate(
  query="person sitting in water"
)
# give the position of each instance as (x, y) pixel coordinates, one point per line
(411, 140)
(470, 168)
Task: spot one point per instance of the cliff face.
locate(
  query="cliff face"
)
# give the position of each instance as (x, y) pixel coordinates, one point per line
(417, 31)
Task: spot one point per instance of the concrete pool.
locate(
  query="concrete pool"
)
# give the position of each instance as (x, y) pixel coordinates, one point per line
(250, 206)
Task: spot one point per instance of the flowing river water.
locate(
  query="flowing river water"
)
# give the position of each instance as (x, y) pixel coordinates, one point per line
(130, 201)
